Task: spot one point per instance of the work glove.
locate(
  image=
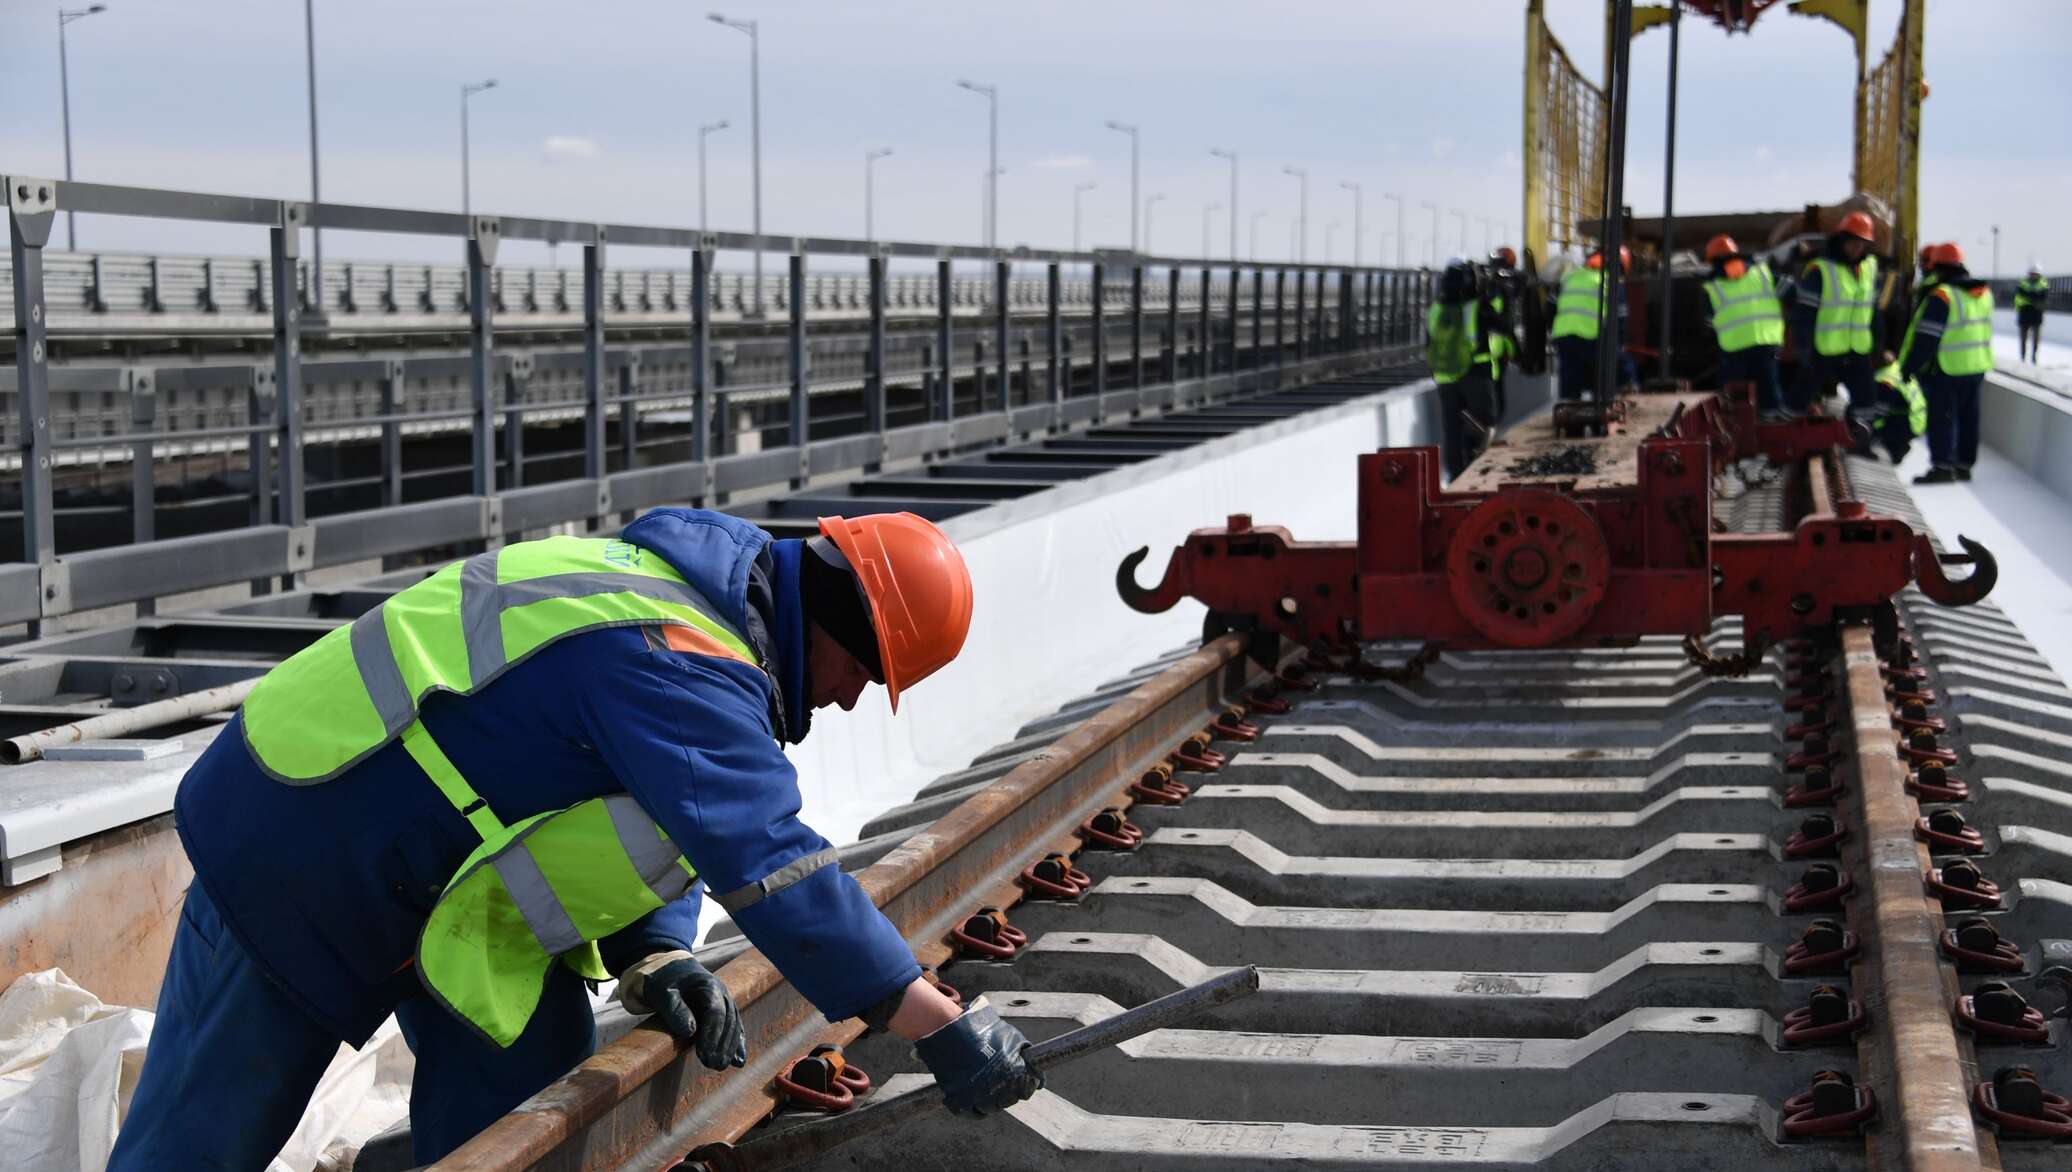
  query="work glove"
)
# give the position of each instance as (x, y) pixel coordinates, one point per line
(978, 1060)
(690, 1003)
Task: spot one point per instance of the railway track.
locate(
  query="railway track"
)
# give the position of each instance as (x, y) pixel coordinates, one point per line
(1578, 909)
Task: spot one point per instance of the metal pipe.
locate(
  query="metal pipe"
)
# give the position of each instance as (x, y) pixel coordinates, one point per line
(1669, 186)
(1618, 83)
(123, 721)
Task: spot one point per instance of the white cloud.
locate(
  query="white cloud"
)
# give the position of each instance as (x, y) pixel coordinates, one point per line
(1062, 163)
(569, 146)
(1441, 147)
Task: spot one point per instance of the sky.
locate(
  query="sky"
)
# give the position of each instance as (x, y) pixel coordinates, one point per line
(596, 113)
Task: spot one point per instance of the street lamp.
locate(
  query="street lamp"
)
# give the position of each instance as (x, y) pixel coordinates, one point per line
(1330, 232)
(1126, 128)
(869, 184)
(1399, 225)
(1359, 230)
(1220, 153)
(1433, 260)
(316, 234)
(468, 90)
(1208, 210)
(704, 132)
(1149, 203)
(1301, 221)
(67, 16)
(1488, 234)
(992, 96)
(755, 135)
(1078, 191)
(1256, 217)
(1463, 230)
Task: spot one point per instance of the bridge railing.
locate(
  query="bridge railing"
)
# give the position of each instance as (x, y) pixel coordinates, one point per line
(1303, 321)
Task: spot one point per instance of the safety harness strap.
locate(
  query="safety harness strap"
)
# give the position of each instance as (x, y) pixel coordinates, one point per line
(429, 757)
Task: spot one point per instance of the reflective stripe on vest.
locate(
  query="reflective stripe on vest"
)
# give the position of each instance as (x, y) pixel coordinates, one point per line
(1745, 313)
(345, 696)
(1575, 307)
(1842, 325)
(1451, 344)
(1967, 339)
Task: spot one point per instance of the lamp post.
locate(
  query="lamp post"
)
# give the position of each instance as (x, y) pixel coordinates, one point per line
(1432, 260)
(704, 132)
(1208, 211)
(1077, 192)
(870, 159)
(989, 231)
(1463, 216)
(316, 195)
(1256, 217)
(1220, 153)
(1150, 202)
(1399, 225)
(67, 16)
(1301, 220)
(468, 90)
(1126, 128)
(749, 29)
(1358, 225)
(1330, 237)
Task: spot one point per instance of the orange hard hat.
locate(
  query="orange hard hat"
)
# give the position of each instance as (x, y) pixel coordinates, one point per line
(1927, 255)
(1721, 247)
(918, 589)
(1596, 260)
(1945, 254)
(1505, 256)
(1857, 224)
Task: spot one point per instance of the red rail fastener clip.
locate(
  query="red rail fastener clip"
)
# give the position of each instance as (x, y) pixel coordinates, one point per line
(1912, 675)
(1232, 726)
(1824, 948)
(988, 935)
(1920, 748)
(1820, 886)
(824, 1080)
(1816, 837)
(1054, 877)
(2016, 1103)
(1933, 783)
(1946, 830)
(1111, 830)
(1266, 701)
(1978, 947)
(1814, 750)
(1820, 788)
(1834, 1106)
(1158, 788)
(1816, 721)
(1918, 695)
(1195, 756)
(1829, 1017)
(1913, 717)
(1960, 884)
(1996, 1013)
(1295, 679)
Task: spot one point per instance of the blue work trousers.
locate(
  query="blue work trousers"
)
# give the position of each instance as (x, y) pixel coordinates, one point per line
(1576, 369)
(233, 1060)
(1952, 417)
(1758, 365)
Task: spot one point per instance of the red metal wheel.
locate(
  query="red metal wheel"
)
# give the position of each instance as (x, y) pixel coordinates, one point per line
(1528, 568)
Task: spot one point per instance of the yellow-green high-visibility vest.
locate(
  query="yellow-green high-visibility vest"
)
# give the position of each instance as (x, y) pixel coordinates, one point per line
(1847, 303)
(1745, 313)
(1575, 306)
(551, 885)
(2031, 293)
(1452, 344)
(1910, 390)
(1967, 338)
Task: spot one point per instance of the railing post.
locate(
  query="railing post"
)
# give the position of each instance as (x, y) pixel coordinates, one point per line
(1099, 350)
(1136, 324)
(701, 359)
(517, 372)
(392, 435)
(1171, 352)
(801, 420)
(1002, 270)
(1280, 314)
(483, 234)
(1301, 306)
(595, 390)
(629, 412)
(874, 395)
(31, 210)
(1054, 334)
(286, 238)
(1236, 292)
(945, 352)
(259, 414)
(1205, 337)
(143, 397)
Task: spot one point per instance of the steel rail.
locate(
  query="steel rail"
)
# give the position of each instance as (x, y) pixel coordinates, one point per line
(643, 1101)
(1913, 1056)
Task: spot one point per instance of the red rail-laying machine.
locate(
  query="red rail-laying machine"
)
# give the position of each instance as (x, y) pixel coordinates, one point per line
(1591, 526)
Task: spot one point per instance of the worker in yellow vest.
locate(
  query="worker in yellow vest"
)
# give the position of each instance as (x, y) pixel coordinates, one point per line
(1834, 319)
(1459, 346)
(1504, 293)
(1578, 324)
(1902, 409)
(2030, 295)
(1949, 347)
(1747, 321)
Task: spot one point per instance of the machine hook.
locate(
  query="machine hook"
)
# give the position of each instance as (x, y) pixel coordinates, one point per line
(1985, 571)
(1153, 601)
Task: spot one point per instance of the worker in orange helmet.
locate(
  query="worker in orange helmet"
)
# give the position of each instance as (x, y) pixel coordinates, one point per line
(1834, 322)
(522, 773)
(1741, 302)
(1578, 326)
(1949, 349)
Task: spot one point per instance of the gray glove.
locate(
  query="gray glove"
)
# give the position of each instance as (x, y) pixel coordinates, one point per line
(690, 1003)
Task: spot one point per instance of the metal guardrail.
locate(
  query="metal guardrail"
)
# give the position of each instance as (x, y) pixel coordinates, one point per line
(1323, 319)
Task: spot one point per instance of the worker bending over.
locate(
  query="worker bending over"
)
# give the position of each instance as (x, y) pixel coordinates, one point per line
(1504, 293)
(1949, 348)
(515, 777)
(1741, 300)
(1460, 328)
(2030, 296)
(1833, 318)
(1902, 409)
(1578, 304)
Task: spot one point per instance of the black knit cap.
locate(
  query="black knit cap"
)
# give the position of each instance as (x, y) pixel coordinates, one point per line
(833, 599)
